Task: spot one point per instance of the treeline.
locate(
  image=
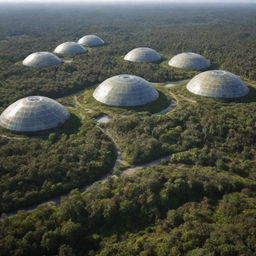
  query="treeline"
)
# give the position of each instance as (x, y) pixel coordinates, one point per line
(110, 216)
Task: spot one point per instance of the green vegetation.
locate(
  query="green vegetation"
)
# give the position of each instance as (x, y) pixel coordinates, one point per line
(86, 101)
(206, 131)
(38, 167)
(200, 202)
(166, 210)
(224, 35)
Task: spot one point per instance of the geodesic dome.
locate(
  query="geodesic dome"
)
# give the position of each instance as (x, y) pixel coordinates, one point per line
(41, 59)
(125, 91)
(91, 41)
(70, 48)
(33, 113)
(218, 84)
(189, 61)
(143, 54)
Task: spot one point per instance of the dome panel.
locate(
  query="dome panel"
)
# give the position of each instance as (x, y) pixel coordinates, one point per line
(70, 48)
(143, 54)
(125, 91)
(41, 59)
(189, 61)
(33, 113)
(218, 84)
(91, 41)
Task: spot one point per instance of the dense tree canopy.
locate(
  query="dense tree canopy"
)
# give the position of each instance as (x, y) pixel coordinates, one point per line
(200, 202)
(32, 169)
(115, 217)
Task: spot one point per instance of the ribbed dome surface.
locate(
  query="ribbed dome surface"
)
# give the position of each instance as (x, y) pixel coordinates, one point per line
(33, 113)
(125, 91)
(143, 54)
(70, 48)
(189, 61)
(91, 41)
(41, 59)
(218, 84)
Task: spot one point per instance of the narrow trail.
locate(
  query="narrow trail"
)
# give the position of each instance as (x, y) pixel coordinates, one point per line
(187, 99)
(119, 157)
(11, 137)
(132, 170)
(87, 110)
(172, 105)
(174, 83)
(57, 199)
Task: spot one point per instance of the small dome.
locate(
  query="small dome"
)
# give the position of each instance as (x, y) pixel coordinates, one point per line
(91, 41)
(189, 61)
(33, 113)
(218, 84)
(70, 48)
(42, 59)
(143, 54)
(125, 91)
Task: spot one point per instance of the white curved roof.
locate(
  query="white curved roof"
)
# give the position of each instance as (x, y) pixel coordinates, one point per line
(125, 91)
(189, 61)
(41, 59)
(33, 113)
(91, 41)
(143, 54)
(70, 48)
(217, 83)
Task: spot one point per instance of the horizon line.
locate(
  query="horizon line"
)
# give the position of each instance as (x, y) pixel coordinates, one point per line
(127, 1)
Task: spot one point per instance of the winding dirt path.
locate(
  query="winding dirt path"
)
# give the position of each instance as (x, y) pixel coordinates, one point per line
(187, 99)
(56, 200)
(11, 137)
(172, 105)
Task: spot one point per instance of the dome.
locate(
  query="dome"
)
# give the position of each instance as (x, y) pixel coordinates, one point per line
(217, 83)
(70, 48)
(33, 113)
(143, 54)
(41, 59)
(91, 41)
(189, 61)
(125, 91)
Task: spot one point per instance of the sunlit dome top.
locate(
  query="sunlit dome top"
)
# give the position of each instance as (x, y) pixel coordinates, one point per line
(42, 59)
(125, 91)
(217, 83)
(70, 48)
(33, 113)
(91, 41)
(189, 61)
(143, 54)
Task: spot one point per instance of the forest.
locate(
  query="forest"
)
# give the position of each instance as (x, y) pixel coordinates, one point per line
(200, 201)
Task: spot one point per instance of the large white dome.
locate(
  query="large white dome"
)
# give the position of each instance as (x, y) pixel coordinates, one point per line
(189, 61)
(143, 54)
(125, 91)
(33, 113)
(217, 83)
(91, 41)
(41, 59)
(70, 48)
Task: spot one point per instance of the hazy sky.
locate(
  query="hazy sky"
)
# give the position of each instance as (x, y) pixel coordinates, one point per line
(136, 1)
